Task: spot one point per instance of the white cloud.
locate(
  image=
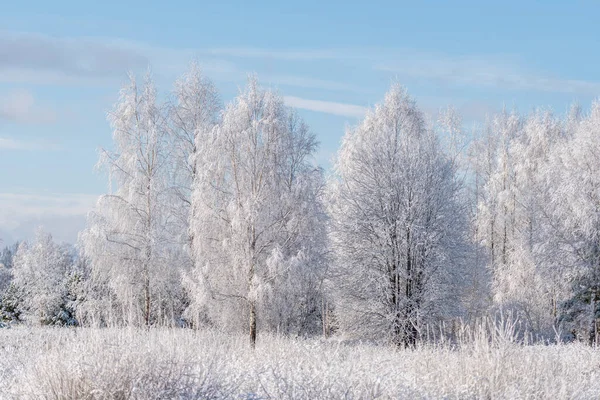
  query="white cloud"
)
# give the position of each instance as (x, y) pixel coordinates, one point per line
(299, 81)
(42, 59)
(486, 71)
(482, 71)
(28, 145)
(78, 57)
(253, 52)
(36, 76)
(18, 207)
(37, 58)
(64, 228)
(16, 105)
(328, 107)
(20, 106)
(62, 214)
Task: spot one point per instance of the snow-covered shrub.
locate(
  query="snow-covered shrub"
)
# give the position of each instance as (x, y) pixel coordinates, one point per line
(38, 292)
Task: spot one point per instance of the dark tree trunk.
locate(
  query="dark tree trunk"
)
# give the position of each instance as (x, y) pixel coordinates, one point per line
(251, 282)
(253, 324)
(147, 299)
(410, 330)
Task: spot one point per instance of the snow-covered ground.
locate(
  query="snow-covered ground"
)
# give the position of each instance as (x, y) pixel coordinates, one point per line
(127, 363)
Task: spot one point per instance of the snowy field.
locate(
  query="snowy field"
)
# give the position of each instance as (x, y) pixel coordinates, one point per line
(44, 363)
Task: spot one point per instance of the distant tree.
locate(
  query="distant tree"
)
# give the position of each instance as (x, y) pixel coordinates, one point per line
(6, 263)
(399, 226)
(529, 280)
(515, 181)
(575, 216)
(12, 306)
(11, 301)
(40, 271)
(497, 202)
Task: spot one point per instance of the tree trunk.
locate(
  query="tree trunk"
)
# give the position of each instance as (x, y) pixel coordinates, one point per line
(410, 331)
(252, 290)
(325, 322)
(147, 301)
(492, 253)
(253, 323)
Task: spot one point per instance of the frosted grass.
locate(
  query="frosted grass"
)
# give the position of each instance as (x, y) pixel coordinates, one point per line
(38, 363)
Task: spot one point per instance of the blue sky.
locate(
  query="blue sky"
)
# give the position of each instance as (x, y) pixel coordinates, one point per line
(63, 62)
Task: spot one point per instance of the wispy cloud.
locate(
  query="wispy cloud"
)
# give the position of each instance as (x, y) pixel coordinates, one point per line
(64, 228)
(18, 207)
(41, 59)
(78, 57)
(495, 72)
(253, 52)
(312, 83)
(13, 75)
(328, 107)
(27, 145)
(20, 106)
(479, 71)
(62, 214)
(37, 58)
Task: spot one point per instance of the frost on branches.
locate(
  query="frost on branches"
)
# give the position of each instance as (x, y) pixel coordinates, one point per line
(398, 227)
(39, 290)
(191, 116)
(258, 235)
(129, 241)
(218, 218)
(575, 211)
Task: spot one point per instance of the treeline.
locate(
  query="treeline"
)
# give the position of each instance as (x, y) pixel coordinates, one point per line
(217, 216)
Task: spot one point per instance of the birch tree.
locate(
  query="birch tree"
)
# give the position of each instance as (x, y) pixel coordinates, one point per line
(528, 281)
(258, 210)
(575, 211)
(192, 115)
(512, 220)
(129, 240)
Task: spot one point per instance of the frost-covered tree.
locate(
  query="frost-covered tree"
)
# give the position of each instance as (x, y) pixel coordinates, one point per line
(40, 271)
(129, 242)
(6, 263)
(257, 228)
(292, 303)
(192, 116)
(399, 225)
(575, 217)
(528, 280)
(497, 200)
(453, 137)
(10, 298)
(513, 221)
(468, 155)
